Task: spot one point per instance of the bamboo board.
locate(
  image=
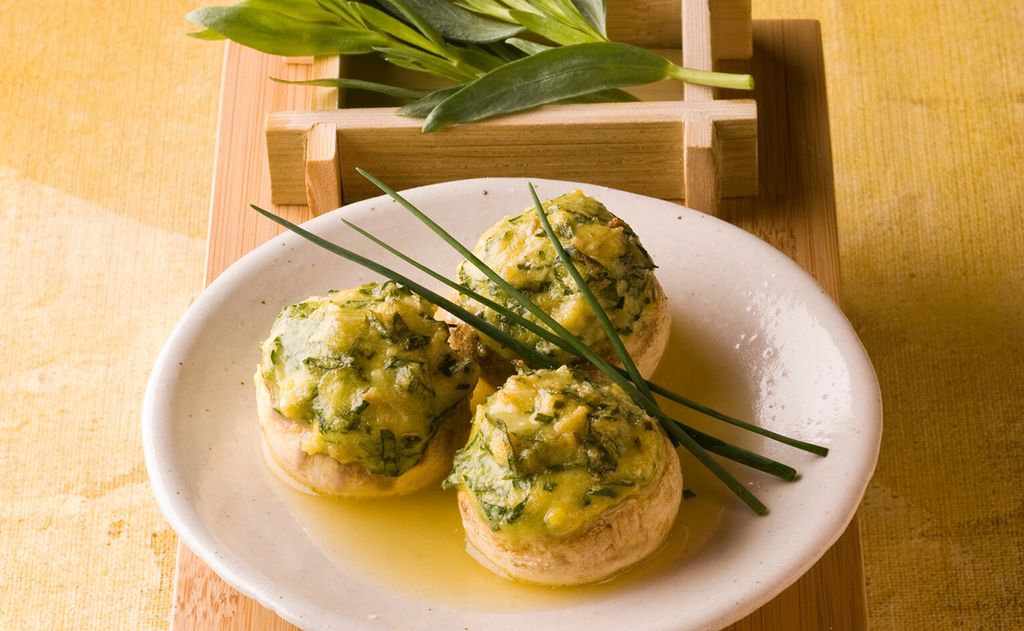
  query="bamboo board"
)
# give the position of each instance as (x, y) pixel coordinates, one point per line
(795, 212)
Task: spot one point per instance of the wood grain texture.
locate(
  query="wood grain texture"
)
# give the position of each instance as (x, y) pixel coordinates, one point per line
(702, 161)
(733, 29)
(652, 24)
(698, 45)
(702, 164)
(795, 212)
(794, 153)
(322, 169)
(632, 146)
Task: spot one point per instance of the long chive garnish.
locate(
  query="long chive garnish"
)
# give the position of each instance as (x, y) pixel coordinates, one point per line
(788, 472)
(578, 347)
(528, 354)
(712, 444)
(817, 450)
(647, 402)
(441, 278)
(493, 276)
(595, 306)
(525, 352)
(627, 362)
(740, 455)
(563, 338)
(620, 349)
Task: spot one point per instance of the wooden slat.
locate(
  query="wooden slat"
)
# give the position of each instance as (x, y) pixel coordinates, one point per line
(323, 169)
(702, 160)
(653, 24)
(632, 146)
(698, 45)
(795, 208)
(795, 211)
(733, 29)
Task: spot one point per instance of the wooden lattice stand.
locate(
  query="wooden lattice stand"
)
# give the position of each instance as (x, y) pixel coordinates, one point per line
(678, 143)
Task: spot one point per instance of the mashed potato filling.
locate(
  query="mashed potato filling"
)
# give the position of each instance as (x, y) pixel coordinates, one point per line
(603, 247)
(370, 370)
(549, 452)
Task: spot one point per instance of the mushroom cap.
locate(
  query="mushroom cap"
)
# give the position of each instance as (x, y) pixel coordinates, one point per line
(622, 536)
(322, 475)
(646, 344)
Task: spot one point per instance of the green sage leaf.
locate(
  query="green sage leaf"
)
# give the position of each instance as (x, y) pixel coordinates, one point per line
(550, 76)
(307, 10)
(491, 9)
(528, 47)
(404, 10)
(422, 107)
(502, 50)
(456, 23)
(394, 27)
(358, 84)
(279, 34)
(566, 11)
(546, 27)
(594, 12)
(206, 34)
(416, 59)
(604, 96)
(476, 56)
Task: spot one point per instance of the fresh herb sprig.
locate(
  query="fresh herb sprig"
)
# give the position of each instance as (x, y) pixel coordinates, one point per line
(634, 390)
(474, 44)
(547, 335)
(525, 352)
(641, 390)
(558, 334)
(345, 27)
(706, 441)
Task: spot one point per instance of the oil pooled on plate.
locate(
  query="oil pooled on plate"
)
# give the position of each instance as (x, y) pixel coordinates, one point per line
(414, 546)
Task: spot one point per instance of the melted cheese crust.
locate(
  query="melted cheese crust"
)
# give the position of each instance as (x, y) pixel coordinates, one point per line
(603, 247)
(369, 371)
(549, 453)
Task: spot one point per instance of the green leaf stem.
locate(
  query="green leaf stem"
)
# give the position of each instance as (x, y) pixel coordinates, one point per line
(550, 76)
(280, 34)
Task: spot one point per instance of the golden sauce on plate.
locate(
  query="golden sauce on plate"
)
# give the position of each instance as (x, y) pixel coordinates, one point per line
(414, 546)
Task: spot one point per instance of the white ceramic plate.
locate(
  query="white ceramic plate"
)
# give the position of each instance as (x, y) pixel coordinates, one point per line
(752, 334)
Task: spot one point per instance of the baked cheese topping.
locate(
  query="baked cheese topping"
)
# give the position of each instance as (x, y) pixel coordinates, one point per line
(370, 370)
(549, 452)
(603, 247)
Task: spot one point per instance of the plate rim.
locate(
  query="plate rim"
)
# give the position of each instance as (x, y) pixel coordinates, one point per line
(256, 585)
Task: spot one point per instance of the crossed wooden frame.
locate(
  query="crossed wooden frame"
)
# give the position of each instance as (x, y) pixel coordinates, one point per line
(682, 143)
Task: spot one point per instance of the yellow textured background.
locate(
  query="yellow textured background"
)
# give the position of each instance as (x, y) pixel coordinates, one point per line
(107, 125)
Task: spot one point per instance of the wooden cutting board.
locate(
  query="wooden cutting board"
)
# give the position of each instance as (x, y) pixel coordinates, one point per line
(795, 212)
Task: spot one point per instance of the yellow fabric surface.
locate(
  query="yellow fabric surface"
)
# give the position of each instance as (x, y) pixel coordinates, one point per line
(107, 128)
(106, 145)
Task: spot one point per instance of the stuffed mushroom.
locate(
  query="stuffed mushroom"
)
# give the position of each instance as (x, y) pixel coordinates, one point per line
(564, 481)
(359, 393)
(611, 260)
